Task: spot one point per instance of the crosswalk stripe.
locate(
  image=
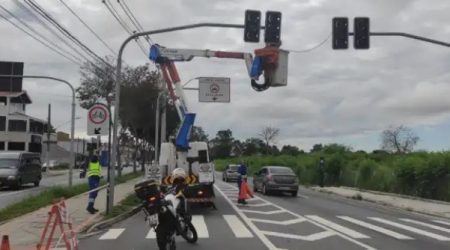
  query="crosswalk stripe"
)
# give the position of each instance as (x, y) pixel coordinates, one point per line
(442, 222)
(427, 225)
(376, 228)
(199, 223)
(238, 228)
(151, 234)
(112, 234)
(411, 229)
(339, 228)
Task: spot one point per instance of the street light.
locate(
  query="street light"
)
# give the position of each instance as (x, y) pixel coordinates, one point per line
(72, 125)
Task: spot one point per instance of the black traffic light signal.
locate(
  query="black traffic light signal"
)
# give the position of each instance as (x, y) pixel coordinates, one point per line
(362, 33)
(340, 33)
(252, 26)
(272, 33)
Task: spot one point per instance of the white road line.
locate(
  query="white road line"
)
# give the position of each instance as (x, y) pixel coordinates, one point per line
(268, 243)
(285, 223)
(337, 227)
(442, 222)
(112, 234)
(411, 229)
(427, 225)
(199, 223)
(238, 228)
(312, 237)
(151, 234)
(263, 212)
(303, 196)
(258, 205)
(376, 228)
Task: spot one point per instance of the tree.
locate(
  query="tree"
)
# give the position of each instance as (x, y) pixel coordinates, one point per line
(222, 144)
(399, 139)
(269, 135)
(198, 134)
(254, 146)
(290, 150)
(316, 148)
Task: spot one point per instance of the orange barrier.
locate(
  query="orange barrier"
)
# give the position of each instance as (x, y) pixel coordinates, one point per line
(58, 217)
(5, 243)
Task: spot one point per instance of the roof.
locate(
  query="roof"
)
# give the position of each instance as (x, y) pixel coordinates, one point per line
(23, 95)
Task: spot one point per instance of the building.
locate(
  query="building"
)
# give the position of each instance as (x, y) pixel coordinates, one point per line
(18, 131)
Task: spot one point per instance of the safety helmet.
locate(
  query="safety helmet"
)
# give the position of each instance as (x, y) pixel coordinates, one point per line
(178, 173)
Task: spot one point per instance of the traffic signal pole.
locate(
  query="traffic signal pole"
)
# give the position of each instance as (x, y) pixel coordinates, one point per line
(118, 84)
(420, 38)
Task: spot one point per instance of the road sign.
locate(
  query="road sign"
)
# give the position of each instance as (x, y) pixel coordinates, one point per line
(98, 119)
(214, 89)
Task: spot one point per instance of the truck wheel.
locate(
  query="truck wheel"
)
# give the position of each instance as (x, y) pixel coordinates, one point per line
(294, 194)
(36, 183)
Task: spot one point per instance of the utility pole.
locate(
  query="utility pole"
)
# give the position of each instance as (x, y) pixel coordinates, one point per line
(47, 158)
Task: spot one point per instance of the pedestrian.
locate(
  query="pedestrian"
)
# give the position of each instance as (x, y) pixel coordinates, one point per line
(244, 192)
(94, 174)
(242, 171)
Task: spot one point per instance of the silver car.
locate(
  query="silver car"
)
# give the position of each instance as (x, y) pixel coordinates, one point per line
(275, 178)
(230, 173)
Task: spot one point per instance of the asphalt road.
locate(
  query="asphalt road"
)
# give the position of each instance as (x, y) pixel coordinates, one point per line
(313, 220)
(8, 196)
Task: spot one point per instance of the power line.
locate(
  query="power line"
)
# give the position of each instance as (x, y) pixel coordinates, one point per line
(66, 32)
(38, 34)
(40, 41)
(139, 26)
(312, 48)
(47, 27)
(87, 26)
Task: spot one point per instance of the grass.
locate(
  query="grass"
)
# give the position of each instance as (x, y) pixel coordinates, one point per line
(126, 205)
(45, 198)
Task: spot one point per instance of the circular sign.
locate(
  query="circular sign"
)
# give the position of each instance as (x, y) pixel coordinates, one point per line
(98, 114)
(214, 88)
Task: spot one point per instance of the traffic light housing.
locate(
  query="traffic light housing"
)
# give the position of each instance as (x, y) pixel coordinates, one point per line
(252, 27)
(361, 33)
(272, 33)
(340, 33)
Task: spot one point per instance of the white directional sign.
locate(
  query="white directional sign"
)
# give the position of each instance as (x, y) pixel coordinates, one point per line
(98, 119)
(214, 89)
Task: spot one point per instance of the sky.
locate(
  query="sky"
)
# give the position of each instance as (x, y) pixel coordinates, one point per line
(346, 97)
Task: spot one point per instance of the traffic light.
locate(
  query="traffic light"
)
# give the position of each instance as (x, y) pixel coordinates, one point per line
(340, 33)
(273, 27)
(362, 33)
(252, 26)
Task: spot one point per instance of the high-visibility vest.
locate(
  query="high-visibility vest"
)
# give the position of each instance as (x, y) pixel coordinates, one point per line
(94, 169)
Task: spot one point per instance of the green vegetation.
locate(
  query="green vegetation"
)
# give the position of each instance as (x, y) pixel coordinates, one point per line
(420, 174)
(126, 205)
(48, 196)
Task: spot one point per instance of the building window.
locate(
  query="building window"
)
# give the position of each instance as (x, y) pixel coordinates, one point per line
(3, 100)
(35, 147)
(36, 127)
(2, 123)
(16, 146)
(2, 145)
(17, 125)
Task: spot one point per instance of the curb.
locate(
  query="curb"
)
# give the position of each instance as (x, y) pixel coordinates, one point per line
(96, 228)
(324, 190)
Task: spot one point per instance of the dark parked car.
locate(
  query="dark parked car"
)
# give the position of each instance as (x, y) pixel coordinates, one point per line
(230, 173)
(18, 168)
(274, 178)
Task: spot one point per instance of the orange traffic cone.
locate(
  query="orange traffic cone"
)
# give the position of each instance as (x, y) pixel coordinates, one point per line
(5, 243)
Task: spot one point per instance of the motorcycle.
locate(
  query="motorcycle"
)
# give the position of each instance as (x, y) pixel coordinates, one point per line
(167, 213)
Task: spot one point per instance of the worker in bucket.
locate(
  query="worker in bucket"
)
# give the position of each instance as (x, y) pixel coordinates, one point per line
(94, 175)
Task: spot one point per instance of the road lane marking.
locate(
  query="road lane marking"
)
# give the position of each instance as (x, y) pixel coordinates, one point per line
(411, 229)
(427, 225)
(376, 228)
(263, 212)
(112, 234)
(267, 242)
(312, 237)
(303, 196)
(151, 234)
(199, 223)
(258, 205)
(442, 222)
(238, 228)
(285, 223)
(337, 227)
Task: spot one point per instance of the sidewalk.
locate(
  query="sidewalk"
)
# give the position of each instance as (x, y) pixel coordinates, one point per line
(25, 231)
(416, 204)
